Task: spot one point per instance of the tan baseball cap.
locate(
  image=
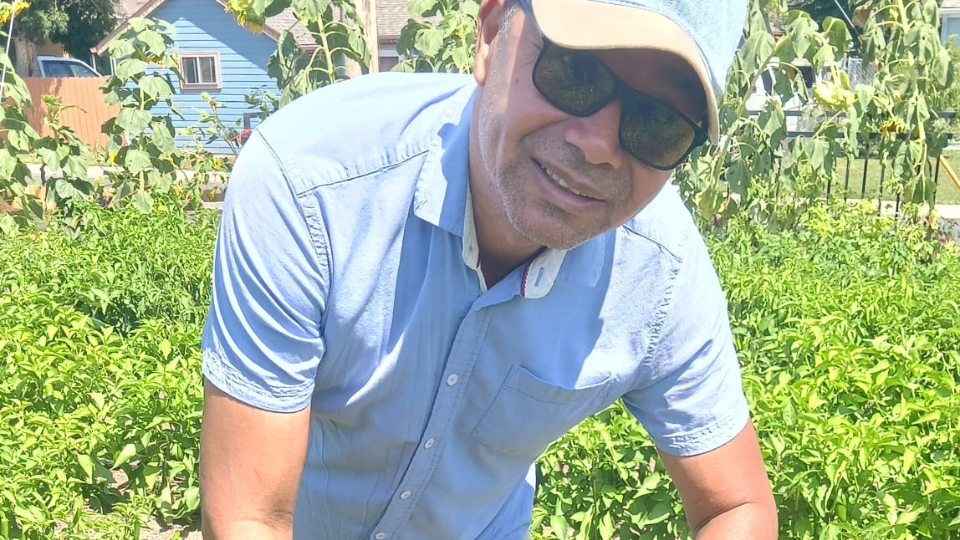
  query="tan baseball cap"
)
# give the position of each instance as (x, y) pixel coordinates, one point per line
(704, 33)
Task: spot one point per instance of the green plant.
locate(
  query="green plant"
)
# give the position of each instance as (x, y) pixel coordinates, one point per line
(846, 330)
(99, 373)
(604, 480)
(850, 362)
(19, 207)
(77, 25)
(212, 128)
(141, 142)
(299, 70)
(63, 160)
(445, 45)
(757, 168)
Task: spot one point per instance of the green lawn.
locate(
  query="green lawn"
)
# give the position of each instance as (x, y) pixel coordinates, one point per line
(947, 192)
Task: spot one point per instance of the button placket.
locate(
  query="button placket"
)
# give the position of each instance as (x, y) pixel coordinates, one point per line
(469, 340)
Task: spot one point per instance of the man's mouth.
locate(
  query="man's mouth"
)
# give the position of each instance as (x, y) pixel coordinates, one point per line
(563, 185)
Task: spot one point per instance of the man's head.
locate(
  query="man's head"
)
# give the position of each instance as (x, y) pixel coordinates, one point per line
(585, 107)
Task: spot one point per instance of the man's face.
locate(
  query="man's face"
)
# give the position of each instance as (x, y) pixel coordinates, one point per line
(560, 179)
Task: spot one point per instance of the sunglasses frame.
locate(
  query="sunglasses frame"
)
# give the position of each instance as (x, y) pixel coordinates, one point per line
(625, 94)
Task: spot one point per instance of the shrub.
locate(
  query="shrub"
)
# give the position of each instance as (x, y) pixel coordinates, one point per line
(99, 377)
(847, 331)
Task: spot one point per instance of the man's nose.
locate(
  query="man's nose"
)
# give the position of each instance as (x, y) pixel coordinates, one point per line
(598, 135)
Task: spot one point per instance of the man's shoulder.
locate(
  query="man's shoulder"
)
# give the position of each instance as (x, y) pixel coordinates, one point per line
(666, 222)
(364, 124)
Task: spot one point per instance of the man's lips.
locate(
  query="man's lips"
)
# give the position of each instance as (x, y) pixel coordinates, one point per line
(565, 184)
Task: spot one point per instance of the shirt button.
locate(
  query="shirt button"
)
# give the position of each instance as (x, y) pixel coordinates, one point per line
(380, 536)
(452, 379)
(429, 443)
(405, 495)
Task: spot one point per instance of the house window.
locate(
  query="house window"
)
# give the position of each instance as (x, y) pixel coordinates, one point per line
(200, 70)
(388, 58)
(388, 62)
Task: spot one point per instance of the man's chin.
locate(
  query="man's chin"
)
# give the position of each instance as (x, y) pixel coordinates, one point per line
(561, 240)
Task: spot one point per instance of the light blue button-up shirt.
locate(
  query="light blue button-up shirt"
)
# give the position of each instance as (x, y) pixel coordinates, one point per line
(340, 282)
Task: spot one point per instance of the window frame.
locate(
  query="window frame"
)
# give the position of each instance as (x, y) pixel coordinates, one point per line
(184, 85)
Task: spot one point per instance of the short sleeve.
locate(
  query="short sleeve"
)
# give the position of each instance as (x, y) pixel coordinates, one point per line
(262, 338)
(695, 401)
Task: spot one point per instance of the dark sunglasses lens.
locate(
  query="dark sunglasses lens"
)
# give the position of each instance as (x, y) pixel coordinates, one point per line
(655, 134)
(574, 82)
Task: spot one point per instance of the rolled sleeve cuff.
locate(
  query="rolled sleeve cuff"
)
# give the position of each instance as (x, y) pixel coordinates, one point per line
(220, 372)
(708, 437)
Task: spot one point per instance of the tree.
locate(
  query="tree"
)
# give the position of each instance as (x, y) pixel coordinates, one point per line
(821, 9)
(76, 24)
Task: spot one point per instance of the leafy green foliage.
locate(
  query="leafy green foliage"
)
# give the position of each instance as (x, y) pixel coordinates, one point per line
(299, 72)
(100, 384)
(142, 142)
(63, 162)
(850, 360)
(63, 159)
(759, 169)
(18, 139)
(820, 10)
(336, 28)
(847, 332)
(212, 128)
(603, 480)
(76, 24)
(446, 44)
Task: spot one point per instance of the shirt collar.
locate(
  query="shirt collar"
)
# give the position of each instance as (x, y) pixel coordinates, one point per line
(584, 263)
(441, 191)
(442, 198)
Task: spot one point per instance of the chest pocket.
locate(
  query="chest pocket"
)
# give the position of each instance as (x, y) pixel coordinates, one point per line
(529, 413)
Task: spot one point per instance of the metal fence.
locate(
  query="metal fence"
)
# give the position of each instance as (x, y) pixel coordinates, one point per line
(857, 71)
(869, 140)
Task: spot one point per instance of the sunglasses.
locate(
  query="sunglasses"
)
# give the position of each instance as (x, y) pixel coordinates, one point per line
(652, 131)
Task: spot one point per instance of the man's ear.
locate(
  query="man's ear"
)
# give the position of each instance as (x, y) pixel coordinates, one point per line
(490, 18)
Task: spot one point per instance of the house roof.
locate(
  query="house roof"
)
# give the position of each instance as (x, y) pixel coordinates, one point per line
(273, 26)
(391, 18)
(950, 4)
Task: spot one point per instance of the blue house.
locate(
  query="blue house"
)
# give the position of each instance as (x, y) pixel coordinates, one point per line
(217, 56)
(226, 60)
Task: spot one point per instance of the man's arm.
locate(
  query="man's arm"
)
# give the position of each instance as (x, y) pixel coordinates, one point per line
(250, 466)
(726, 493)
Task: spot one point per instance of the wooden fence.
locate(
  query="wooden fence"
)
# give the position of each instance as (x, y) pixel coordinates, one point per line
(84, 93)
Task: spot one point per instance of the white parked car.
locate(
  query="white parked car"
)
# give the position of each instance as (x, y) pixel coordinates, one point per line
(55, 66)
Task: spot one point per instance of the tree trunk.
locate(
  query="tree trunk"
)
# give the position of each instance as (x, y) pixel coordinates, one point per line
(26, 61)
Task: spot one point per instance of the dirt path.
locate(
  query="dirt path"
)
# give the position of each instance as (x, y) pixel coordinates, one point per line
(153, 531)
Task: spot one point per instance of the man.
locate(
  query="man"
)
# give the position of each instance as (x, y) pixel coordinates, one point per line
(421, 281)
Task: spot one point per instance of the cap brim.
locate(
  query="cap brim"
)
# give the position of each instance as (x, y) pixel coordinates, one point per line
(583, 24)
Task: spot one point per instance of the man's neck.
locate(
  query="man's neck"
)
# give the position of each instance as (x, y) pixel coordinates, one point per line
(501, 247)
